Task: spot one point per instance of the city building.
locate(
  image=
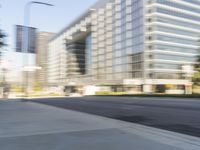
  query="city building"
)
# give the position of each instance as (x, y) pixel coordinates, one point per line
(41, 57)
(129, 45)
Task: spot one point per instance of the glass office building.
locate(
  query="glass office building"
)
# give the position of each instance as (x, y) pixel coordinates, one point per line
(137, 45)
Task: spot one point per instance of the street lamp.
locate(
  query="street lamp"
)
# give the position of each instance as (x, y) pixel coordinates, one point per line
(26, 37)
(27, 21)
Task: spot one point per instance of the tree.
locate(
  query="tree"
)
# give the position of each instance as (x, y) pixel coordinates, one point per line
(196, 77)
(2, 44)
(2, 41)
(2, 36)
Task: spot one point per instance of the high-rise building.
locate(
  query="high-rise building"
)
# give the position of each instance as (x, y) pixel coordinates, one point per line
(41, 57)
(132, 45)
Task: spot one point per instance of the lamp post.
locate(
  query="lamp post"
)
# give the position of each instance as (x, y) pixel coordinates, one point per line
(26, 38)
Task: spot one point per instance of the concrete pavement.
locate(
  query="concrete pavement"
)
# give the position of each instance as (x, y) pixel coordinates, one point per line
(27, 125)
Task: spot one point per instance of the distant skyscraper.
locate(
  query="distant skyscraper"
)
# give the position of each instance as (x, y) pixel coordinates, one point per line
(41, 56)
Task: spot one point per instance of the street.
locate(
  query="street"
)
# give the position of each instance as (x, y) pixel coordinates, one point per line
(29, 125)
(173, 114)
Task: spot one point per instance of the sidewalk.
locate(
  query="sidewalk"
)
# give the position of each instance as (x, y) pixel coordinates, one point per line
(32, 126)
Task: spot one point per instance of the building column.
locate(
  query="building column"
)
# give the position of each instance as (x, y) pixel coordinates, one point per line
(147, 88)
(188, 89)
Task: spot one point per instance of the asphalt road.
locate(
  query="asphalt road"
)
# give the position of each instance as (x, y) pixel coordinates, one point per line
(173, 114)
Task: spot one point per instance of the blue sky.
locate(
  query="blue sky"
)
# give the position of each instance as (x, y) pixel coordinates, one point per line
(44, 18)
(51, 19)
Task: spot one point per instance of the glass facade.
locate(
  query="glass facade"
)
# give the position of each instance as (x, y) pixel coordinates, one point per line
(180, 49)
(179, 6)
(75, 59)
(174, 39)
(173, 29)
(177, 31)
(178, 14)
(102, 48)
(195, 2)
(118, 34)
(88, 49)
(173, 21)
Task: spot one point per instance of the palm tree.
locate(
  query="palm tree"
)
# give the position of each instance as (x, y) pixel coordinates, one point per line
(2, 36)
(2, 42)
